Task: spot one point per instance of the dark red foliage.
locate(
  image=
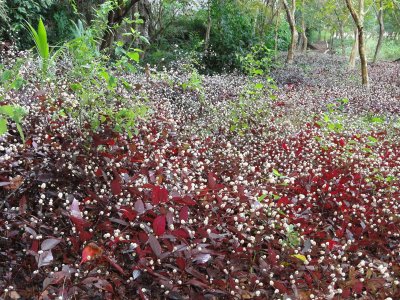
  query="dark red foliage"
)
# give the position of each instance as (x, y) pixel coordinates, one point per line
(166, 216)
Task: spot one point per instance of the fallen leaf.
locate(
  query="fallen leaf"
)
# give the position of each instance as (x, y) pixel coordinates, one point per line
(91, 252)
(300, 256)
(14, 183)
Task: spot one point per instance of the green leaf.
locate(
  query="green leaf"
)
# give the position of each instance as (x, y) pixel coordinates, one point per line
(377, 120)
(112, 82)
(258, 86)
(75, 86)
(17, 83)
(144, 39)
(262, 197)
(20, 131)
(7, 110)
(6, 75)
(276, 173)
(258, 72)
(43, 44)
(3, 126)
(134, 56)
(40, 39)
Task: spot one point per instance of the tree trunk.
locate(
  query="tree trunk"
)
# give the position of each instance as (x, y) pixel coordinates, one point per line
(304, 41)
(381, 31)
(359, 21)
(276, 34)
(290, 11)
(303, 28)
(341, 33)
(332, 43)
(363, 57)
(208, 31)
(352, 61)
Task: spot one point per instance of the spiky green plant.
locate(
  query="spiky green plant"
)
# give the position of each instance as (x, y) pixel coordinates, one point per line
(42, 46)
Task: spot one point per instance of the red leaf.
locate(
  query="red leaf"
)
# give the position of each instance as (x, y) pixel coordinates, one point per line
(182, 233)
(184, 213)
(358, 287)
(181, 262)
(90, 252)
(22, 205)
(281, 287)
(35, 246)
(115, 265)
(283, 201)
(211, 181)
(85, 235)
(128, 213)
(185, 200)
(159, 225)
(197, 283)
(99, 172)
(346, 293)
(143, 237)
(116, 188)
(331, 244)
(272, 257)
(159, 195)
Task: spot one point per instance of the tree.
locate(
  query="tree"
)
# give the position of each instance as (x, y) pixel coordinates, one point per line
(115, 18)
(379, 4)
(304, 40)
(358, 18)
(208, 30)
(290, 11)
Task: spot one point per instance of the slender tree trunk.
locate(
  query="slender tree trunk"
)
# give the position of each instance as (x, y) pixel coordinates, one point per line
(304, 41)
(332, 43)
(276, 34)
(381, 31)
(290, 11)
(359, 21)
(341, 33)
(208, 31)
(363, 57)
(352, 61)
(303, 28)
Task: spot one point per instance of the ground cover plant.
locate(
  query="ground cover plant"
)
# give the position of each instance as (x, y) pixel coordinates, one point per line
(301, 203)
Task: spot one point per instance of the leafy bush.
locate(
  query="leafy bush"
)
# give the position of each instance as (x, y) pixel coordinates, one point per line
(257, 61)
(14, 113)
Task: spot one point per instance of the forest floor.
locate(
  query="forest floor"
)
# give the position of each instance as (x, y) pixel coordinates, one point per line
(232, 188)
